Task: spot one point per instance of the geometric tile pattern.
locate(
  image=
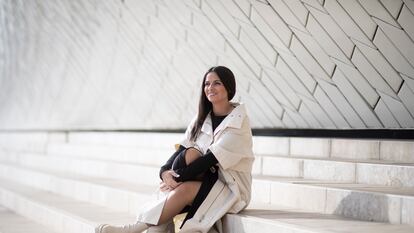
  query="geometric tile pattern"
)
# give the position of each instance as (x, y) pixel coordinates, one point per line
(86, 64)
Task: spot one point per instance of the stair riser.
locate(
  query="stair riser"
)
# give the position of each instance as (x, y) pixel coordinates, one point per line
(364, 173)
(122, 154)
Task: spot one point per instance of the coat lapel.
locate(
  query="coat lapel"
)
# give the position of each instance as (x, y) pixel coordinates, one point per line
(233, 120)
(207, 127)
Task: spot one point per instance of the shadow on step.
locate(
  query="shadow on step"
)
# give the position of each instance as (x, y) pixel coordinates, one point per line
(367, 207)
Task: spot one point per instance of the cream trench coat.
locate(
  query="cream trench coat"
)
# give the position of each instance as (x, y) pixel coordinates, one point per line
(231, 143)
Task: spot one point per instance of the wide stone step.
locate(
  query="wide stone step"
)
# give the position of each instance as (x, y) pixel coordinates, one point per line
(115, 194)
(62, 214)
(287, 221)
(130, 172)
(142, 155)
(359, 201)
(11, 222)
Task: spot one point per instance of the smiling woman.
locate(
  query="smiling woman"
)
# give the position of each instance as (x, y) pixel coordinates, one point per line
(210, 173)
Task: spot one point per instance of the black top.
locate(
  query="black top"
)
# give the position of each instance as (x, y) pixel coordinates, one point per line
(216, 120)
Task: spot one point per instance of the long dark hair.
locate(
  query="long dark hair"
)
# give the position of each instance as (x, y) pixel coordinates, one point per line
(204, 105)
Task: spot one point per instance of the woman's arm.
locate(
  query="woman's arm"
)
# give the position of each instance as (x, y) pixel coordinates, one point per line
(168, 165)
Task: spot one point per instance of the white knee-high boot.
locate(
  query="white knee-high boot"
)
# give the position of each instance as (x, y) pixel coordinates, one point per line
(130, 228)
(163, 228)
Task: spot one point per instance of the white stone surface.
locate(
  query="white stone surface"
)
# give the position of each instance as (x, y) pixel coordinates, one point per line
(355, 149)
(372, 76)
(310, 147)
(399, 151)
(11, 222)
(307, 59)
(59, 213)
(406, 95)
(385, 115)
(320, 114)
(309, 117)
(377, 10)
(346, 109)
(364, 206)
(380, 63)
(400, 112)
(334, 31)
(325, 41)
(329, 170)
(346, 23)
(149, 156)
(112, 193)
(289, 221)
(405, 17)
(390, 175)
(285, 167)
(270, 145)
(357, 101)
(293, 71)
(383, 190)
(330, 108)
(130, 172)
(317, 52)
(354, 76)
(284, 194)
(392, 55)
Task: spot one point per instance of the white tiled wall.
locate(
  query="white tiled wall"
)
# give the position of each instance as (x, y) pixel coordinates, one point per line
(138, 64)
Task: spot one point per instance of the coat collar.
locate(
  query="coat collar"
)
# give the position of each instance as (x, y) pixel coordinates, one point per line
(233, 120)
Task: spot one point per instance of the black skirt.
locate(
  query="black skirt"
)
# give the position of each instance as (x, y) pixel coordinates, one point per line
(209, 179)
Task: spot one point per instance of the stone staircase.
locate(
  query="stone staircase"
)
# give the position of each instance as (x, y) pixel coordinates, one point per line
(69, 182)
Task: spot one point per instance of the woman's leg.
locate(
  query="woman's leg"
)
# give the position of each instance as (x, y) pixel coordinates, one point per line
(191, 154)
(185, 158)
(179, 198)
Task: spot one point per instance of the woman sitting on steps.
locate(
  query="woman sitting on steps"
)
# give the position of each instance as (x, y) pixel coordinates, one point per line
(210, 173)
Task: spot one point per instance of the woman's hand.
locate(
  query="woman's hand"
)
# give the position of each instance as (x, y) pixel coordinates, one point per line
(168, 183)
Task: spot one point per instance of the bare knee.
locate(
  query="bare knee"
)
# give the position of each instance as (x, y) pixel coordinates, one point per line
(187, 191)
(191, 154)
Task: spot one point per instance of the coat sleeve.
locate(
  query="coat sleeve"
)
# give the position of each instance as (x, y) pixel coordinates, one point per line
(233, 145)
(187, 142)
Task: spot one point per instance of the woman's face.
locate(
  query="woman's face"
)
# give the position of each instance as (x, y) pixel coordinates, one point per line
(214, 89)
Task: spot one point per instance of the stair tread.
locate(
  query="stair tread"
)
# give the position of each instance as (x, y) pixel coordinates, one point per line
(257, 219)
(344, 160)
(113, 183)
(11, 222)
(88, 212)
(402, 191)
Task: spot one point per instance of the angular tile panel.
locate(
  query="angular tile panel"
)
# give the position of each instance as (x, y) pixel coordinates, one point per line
(84, 65)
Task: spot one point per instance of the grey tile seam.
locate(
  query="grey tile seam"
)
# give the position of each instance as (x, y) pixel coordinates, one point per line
(397, 49)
